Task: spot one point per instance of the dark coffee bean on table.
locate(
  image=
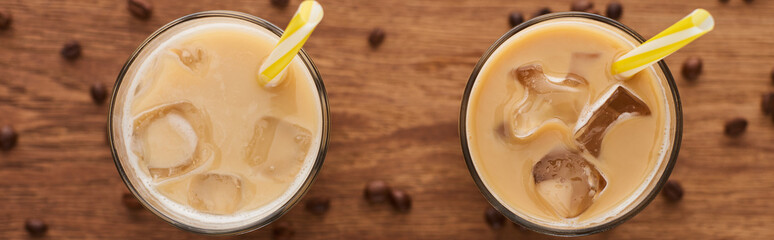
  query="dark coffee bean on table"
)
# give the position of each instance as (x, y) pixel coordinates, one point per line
(515, 18)
(614, 10)
(672, 191)
(141, 9)
(542, 11)
(692, 68)
(495, 219)
(8, 137)
(71, 50)
(5, 19)
(130, 201)
(767, 103)
(376, 192)
(400, 200)
(581, 5)
(280, 3)
(318, 205)
(282, 231)
(98, 92)
(376, 37)
(35, 227)
(735, 127)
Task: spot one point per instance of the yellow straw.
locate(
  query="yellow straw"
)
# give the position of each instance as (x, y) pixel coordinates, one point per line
(308, 15)
(665, 43)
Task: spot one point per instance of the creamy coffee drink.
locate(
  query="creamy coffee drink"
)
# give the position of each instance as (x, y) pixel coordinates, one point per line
(554, 136)
(203, 139)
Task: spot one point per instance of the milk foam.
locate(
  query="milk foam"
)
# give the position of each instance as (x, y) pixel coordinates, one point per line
(231, 220)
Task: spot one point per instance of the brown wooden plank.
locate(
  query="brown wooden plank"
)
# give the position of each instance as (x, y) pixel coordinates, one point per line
(394, 116)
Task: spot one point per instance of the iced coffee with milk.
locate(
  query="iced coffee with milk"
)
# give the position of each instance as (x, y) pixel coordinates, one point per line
(201, 141)
(555, 138)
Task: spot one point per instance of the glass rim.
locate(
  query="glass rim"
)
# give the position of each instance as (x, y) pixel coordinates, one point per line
(675, 147)
(324, 136)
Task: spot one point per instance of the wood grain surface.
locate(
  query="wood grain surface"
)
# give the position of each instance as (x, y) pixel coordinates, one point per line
(394, 114)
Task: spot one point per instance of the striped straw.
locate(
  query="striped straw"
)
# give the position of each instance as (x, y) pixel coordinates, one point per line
(665, 43)
(308, 15)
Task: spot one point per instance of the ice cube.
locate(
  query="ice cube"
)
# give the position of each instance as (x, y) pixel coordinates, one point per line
(278, 148)
(172, 139)
(545, 99)
(567, 182)
(218, 193)
(193, 57)
(169, 141)
(533, 78)
(616, 104)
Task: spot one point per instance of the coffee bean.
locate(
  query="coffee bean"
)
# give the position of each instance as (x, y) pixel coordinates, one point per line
(515, 18)
(495, 219)
(692, 68)
(141, 9)
(282, 231)
(280, 3)
(376, 37)
(131, 202)
(35, 227)
(581, 5)
(542, 11)
(98, 92)
(376, 192)
(8, 137)
(735, 127)
(400, 200)
(318, 205)
(614, 10)
(5, 19)
(71, 50)
(672, 191)
(767, 103)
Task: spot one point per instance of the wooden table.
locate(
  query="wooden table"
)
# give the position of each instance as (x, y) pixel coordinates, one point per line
(394, 116)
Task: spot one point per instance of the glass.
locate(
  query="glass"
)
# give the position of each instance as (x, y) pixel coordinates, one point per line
(120, 152)
(665, 76)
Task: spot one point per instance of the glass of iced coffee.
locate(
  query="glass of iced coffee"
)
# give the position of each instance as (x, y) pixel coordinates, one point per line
(554, 140)
(200, 142)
